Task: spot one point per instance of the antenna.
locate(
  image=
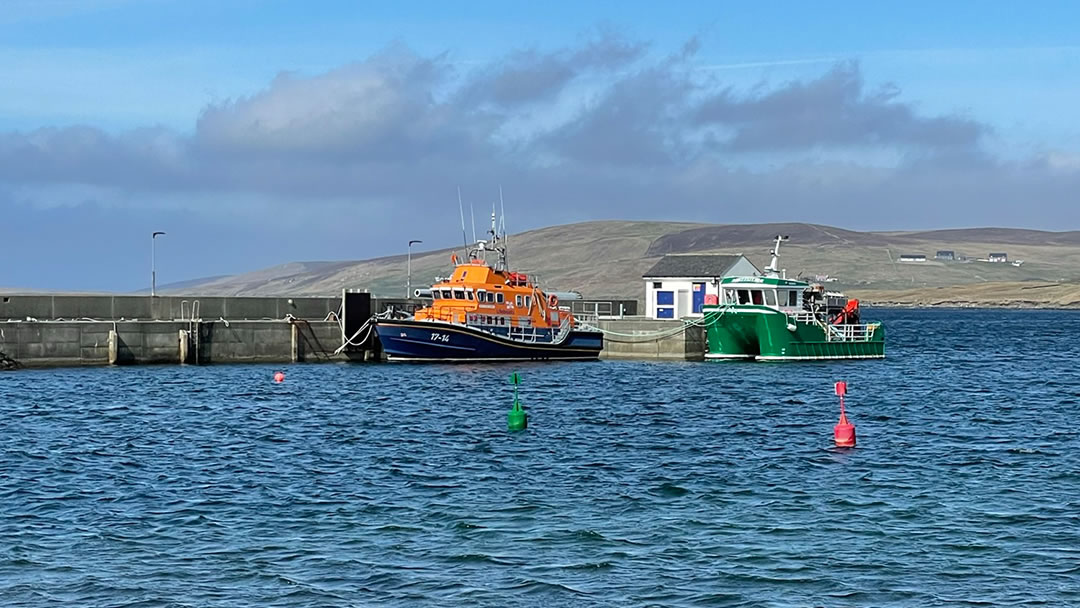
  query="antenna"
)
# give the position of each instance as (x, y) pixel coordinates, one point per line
(461, 210)
(472, 217)
(502, 220)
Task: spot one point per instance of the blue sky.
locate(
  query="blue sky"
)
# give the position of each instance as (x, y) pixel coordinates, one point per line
(139, 113)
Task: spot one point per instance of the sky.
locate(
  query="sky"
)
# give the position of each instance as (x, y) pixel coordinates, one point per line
(261, 132)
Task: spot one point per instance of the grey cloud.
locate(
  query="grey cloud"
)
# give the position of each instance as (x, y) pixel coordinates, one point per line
(834, 110)
(532, 76)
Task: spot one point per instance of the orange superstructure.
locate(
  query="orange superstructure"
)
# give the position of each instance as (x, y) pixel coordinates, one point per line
(481, 296)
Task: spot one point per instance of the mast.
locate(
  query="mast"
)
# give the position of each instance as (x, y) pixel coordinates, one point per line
(461, 210)
(502, 220)
(772, 268)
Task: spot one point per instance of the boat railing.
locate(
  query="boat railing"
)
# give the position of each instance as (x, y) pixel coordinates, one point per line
(523, 334)
(803, 316)
(862, 332)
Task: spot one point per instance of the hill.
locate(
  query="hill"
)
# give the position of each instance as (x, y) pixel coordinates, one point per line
(607, 259)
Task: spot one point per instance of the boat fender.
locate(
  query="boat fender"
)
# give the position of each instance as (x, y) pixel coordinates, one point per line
(553, 300)
(791, 327)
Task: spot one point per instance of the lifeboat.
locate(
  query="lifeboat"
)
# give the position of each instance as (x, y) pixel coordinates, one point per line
(485, 312)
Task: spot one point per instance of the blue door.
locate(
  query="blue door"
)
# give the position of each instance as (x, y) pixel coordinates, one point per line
(699, 297)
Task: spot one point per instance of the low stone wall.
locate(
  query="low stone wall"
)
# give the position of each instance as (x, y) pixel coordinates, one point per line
(638, 338)
(71, 343)
(161, 308)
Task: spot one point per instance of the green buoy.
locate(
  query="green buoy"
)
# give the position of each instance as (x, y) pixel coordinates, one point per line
(516, 419)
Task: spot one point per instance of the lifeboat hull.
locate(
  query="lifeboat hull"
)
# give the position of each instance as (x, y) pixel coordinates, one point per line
(409, 340)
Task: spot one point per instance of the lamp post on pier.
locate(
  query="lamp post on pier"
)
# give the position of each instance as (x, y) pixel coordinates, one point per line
(153, 262)
(408, 271)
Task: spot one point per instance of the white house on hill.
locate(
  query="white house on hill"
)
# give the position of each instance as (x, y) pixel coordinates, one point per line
(675, 287)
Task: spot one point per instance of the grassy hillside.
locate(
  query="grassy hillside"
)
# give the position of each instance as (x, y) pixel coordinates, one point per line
(607, 259)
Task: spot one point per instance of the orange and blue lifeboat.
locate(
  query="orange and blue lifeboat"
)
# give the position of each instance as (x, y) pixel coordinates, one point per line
(482, 313)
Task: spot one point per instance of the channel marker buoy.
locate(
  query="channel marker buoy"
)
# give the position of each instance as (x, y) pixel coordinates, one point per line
(516, 418)
(279, 377)
(844, 431)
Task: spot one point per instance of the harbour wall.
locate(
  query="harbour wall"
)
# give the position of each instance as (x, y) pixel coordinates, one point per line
(74, 343)
(63, 330)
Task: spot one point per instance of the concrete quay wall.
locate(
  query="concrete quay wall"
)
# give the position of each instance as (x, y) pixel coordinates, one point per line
(75, 343)
(639, 338)
(162, 308)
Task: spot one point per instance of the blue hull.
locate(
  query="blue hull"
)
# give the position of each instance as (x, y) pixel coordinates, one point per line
(437, 341)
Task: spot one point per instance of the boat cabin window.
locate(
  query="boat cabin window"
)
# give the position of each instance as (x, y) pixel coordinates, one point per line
(528, 299)
(446, 294)
(490, 296)
(744, 296)
(499, 297)
(789, 297)
(770, 297)
(468, 295)
(517, 300)
(755, 297)
(729, 296)
(459, 294)
(479, 295)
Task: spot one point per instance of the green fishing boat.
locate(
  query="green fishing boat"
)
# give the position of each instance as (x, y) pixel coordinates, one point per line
(773, 318)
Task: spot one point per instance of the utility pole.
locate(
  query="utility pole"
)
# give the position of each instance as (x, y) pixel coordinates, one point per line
(153, 262)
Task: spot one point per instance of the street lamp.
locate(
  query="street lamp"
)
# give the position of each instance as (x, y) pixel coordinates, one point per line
(408, 279)
(153, 262)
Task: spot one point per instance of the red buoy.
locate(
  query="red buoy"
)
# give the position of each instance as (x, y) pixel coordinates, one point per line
(279, 377)
(844, 431)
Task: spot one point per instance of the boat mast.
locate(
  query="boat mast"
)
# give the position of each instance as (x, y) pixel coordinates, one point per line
(772, 268)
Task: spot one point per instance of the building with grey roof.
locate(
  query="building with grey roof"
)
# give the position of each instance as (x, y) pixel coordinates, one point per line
(677, 284)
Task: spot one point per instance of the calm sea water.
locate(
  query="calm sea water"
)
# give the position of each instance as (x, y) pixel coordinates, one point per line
(637, 483)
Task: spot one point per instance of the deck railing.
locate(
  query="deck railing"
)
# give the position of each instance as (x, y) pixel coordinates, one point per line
(863, 332)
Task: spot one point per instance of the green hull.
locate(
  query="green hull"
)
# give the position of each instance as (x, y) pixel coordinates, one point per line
(764, 334)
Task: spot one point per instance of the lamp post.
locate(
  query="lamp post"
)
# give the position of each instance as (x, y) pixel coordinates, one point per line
(408, 271)
(153, 262)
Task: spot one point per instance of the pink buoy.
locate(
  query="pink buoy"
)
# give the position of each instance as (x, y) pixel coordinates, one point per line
(279, 377)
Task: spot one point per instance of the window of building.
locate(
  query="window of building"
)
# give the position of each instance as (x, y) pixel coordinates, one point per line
(657, 285)
(770, 297)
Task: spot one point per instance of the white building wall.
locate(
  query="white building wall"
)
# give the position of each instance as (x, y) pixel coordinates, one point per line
(682, 289)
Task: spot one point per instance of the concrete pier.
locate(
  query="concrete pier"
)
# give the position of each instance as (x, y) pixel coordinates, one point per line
(644, 338)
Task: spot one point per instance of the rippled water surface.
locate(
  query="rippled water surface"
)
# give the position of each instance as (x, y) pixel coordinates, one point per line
(637, 483)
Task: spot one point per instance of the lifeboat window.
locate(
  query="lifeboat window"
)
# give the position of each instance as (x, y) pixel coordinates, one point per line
(459, 294)
(446, 294)
(499, 297)
(517, 300)
(744, 296)
(490, 296)
(755, 296)
(770, 297)
(480, 295)
(528, 300)
(468, 295)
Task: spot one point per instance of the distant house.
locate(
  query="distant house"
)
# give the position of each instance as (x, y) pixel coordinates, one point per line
(998, 257)
(945, 255)
(912, 257)
(676, 286)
